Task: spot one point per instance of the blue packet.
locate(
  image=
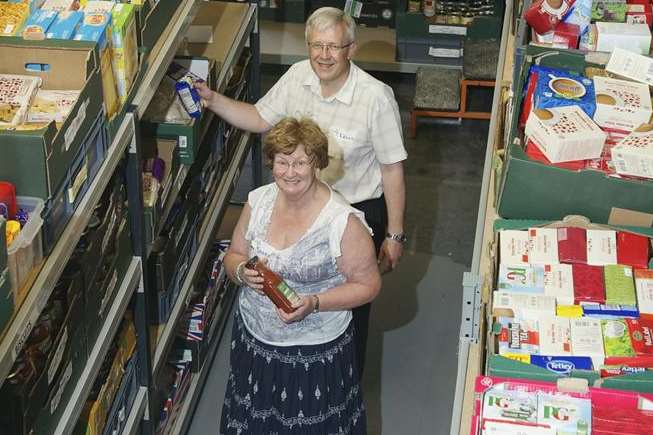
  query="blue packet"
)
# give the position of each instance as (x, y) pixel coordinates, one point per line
(606, 311)
(189, 96)
(562, 365)
(559, 88)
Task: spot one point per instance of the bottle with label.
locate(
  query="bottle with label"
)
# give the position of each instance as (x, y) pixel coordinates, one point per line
(274, 286)
(428, 6)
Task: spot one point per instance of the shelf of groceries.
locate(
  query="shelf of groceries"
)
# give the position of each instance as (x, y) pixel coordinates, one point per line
(557, 307)
(92, 177)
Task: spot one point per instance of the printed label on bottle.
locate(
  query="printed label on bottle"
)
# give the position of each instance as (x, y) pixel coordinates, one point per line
(288, 293)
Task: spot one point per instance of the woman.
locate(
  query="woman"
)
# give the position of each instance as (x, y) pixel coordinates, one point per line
(295, 373)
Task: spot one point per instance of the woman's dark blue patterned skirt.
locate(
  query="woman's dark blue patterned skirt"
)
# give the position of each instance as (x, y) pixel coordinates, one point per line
(308, 390)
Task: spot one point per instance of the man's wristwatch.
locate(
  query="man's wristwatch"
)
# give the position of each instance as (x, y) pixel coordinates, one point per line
(397, 237)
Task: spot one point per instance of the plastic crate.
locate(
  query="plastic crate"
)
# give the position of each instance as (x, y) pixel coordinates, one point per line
(26, 251)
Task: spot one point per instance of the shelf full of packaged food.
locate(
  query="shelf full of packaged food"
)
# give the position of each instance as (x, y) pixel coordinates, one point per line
(37, 298)
(198, 380)
(471, 343)
(137, 412)
(99, 350)
(217, 208)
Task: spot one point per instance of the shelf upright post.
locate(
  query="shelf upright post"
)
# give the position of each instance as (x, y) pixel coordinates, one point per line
(137, 226)
(254, 92)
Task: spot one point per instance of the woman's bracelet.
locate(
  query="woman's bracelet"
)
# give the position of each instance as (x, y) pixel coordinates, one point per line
(316, 303)
(237, 274)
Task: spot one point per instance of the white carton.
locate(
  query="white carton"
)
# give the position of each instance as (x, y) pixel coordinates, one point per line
(601, 247)
(587, 339)
(565, 134)
(521, 279)
(644, 287)
(543, 245)
(632, 37)
(621, 104)
(522, 305)
(559, 283)
(633, 155)
(555, 336)
(630, 65)
(513, 245)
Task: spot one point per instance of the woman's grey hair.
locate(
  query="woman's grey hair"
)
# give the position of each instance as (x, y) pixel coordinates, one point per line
(327, 17)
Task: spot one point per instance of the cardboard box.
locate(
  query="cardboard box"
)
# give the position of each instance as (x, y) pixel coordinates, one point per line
(37, 161)
(154, 17)
(514, 246)
(559, 283)
(543, 244)
(639, 14)
(565, 134)
(125, 47)
(631, 65)
(555, 336)
(621, 104)
(601, 247)
(633, 155)
(619, 285)
(521, 279)
(632, 37)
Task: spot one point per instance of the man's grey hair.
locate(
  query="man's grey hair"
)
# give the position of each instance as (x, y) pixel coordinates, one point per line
(327, 17)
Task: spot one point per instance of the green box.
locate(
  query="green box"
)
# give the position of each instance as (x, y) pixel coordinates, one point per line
(6, 296)
(153, 20)
(619, 285)
(533, 190)
(38, 161)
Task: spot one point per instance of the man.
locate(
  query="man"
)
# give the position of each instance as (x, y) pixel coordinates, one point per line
(361, 119)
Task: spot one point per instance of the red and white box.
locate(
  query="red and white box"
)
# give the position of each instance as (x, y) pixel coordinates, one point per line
(555, 336)
(634, 154)
(638, 14)
(621, 104)
(633, 250)
(572, 245)
(559, 283)
(632, 37)
(565, 134)
(644, 288)
(543, 17)
(601, 247)
(543, 245)
(564, 35)
(534, 153)
(514, 246)
(589, 284)
(641, 335)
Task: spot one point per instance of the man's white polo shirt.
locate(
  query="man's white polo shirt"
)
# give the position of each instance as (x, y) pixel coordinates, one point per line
(361, 120)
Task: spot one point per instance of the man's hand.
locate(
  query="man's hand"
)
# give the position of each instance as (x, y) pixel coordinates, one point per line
(389, 255)
(204, 92)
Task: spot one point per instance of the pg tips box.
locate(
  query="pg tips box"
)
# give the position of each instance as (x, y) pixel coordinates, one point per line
(621, 104)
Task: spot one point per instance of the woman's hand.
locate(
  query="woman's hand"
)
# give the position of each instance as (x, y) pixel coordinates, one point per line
(251, 277)
(303, 308)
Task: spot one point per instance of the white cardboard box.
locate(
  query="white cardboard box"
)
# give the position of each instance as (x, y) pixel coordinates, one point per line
(559, 283)
(543, 245)
(555, 336)
(631, 65)
(633, 155)
(565, 134)
(524, 306)
(644, 287)
(587, 339)
(632, 37)
(621, 104)
(513, 245)
(601, 247)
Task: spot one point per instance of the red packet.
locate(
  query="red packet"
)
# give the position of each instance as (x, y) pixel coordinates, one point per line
(534, 152)
(572, 245)
(589, 283)
(633, 250)
(641, 335)
(7, 200)
(527, 103)
(542, 16)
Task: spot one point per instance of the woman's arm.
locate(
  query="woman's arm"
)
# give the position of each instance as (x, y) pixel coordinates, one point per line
(358, 264)
(238, 254)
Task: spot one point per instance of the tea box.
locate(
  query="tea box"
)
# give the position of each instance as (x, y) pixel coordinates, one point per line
(621, 104)
(601, 247)
(521, 279)
(632, 37)
(633, 155)
(559, 283)
(543, 245)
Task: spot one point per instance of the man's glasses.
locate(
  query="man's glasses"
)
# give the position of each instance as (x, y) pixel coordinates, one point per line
(298, 165)
(331, 48)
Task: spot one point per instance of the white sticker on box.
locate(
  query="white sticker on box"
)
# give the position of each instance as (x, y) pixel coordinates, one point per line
(75, 125)
(78, 182)
(183, 141)
(445, 52)
(56, 399)
(447, 30)
(58, 355)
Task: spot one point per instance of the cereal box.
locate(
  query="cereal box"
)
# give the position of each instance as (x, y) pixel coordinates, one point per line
(65, 26)
(616, 339)
(621, 104)
(565, 133)
(632, 37)
(51, 105)
(601, 247)
(94, 27)
(633, 155)
(555, 336)
(559, 283)
(59, 5)
(543, 245)
(98, 7)
(521, 279)
(514, 247)
(587, 339)
(644, 286)
(12, 17)
(530, 306)
(125, 47)
(16, 93)
(518, 336)
(38, 24)
(32, 4)
(619, 285)
(568, 415)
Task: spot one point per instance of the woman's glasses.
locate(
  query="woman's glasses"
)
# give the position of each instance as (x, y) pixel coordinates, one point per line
(298, 165)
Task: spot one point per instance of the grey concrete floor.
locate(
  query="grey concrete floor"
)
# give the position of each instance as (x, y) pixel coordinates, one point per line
(410, 375)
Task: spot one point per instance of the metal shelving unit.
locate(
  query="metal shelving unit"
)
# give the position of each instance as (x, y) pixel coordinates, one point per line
(114, 319)
(137, 412)
(218, 206)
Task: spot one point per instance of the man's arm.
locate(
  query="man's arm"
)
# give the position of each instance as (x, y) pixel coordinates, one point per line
(237, 113)
(394, 189)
